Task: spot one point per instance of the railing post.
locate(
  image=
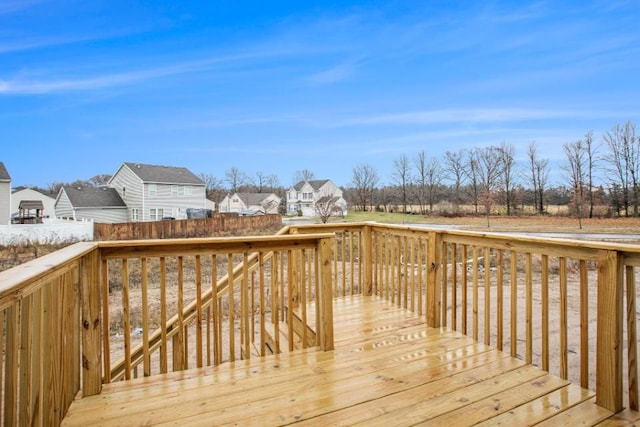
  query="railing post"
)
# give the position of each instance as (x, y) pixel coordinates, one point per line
(434, 259)
(325, 298)
(367, 261)
(91, 323)
(609, 331)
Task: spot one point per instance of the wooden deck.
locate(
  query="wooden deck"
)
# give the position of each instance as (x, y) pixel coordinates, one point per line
(388, 369)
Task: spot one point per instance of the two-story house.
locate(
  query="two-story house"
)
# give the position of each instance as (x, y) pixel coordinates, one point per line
(303, 197)
(5, 195)
(266, 203)
(155, 192)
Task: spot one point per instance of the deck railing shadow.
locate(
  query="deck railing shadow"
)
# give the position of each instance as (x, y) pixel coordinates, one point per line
(100, 312)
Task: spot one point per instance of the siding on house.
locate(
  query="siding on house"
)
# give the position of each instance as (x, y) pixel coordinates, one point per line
(96, 204)
(5, 195)
(150, 188)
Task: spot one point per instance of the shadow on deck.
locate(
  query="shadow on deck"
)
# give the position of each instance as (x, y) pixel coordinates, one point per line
(388, 368)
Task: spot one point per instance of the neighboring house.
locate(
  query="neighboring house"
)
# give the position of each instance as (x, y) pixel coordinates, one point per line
(90, 203)
(302, 197)
(256, 202)
(5, 195)
(29, 195)
(154, 192)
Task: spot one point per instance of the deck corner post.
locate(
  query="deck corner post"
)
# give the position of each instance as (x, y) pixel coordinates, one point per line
(434, 259)
(91, 323)
(325, 299)
(609, 331)
(367, 261)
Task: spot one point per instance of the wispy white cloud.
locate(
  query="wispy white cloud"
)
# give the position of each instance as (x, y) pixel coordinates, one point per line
(334, 74)
(55, 84)
(12, 6)
(480, 115)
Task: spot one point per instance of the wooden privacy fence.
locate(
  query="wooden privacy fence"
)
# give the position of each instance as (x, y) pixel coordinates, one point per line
(185, 228)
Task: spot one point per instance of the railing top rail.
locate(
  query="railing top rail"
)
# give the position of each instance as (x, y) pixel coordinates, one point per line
(22, 279)
(508, 240)
(160, 247)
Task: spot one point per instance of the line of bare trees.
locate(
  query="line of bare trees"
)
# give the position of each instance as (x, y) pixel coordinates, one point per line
(603, 174)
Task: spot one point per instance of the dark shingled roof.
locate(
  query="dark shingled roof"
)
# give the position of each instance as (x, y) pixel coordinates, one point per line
(316, 184)
(89, 197)
(4, 175)
(164, 174)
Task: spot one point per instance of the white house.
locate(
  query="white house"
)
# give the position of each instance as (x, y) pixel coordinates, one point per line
(259, 202)
(28, 195)
(302, 197)
(154, 192)
(89, 203)
(5, 195)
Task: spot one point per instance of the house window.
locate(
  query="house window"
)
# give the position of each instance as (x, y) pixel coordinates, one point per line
(135, 214)
(187, 190)
(307, 196)
(174, 191)
(153, 190)
(156, 214)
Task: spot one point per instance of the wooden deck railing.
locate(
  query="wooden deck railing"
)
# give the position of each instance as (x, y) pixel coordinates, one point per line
(568, 306)
(107, 311)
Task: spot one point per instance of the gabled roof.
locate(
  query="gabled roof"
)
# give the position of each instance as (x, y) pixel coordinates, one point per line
(316, 184)
(253, 198)
(164, 174)
(4, 174)
(90, 197)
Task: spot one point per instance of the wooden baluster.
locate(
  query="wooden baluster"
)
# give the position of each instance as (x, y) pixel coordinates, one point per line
(244, 307)
(443, 286)
(584, 324)
(106, 327)
(126, 319)
(179, 358)
(487, 296)
(216, 313)
(529, 308)
(632, 338)
(232, 316)
(145, 319)
(465, 280)
(303, 296)
(500, 298)
(563, 319)
(474, 274)
(514, 303)
(454, 286)
(199, 349)
(262, 304)
(545, 311)
(164, 364)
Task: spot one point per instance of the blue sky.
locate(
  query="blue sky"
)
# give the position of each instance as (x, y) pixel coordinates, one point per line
(280, 86)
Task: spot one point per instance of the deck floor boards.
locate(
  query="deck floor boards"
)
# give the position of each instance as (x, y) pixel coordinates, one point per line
(387, 369)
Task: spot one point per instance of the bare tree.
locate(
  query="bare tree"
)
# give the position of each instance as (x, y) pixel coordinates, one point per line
(303, 175)
(539, 176)
(213, 187)
(455, 170)
(434, 174)
(420, 163)
(402, 177)
(472, 174)
(591, 153)
(576, 172)
(490, 172)
(327, 206)
(507, 161)
(365, 178)
(624, 162)
(235, 178)
(100, 180)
